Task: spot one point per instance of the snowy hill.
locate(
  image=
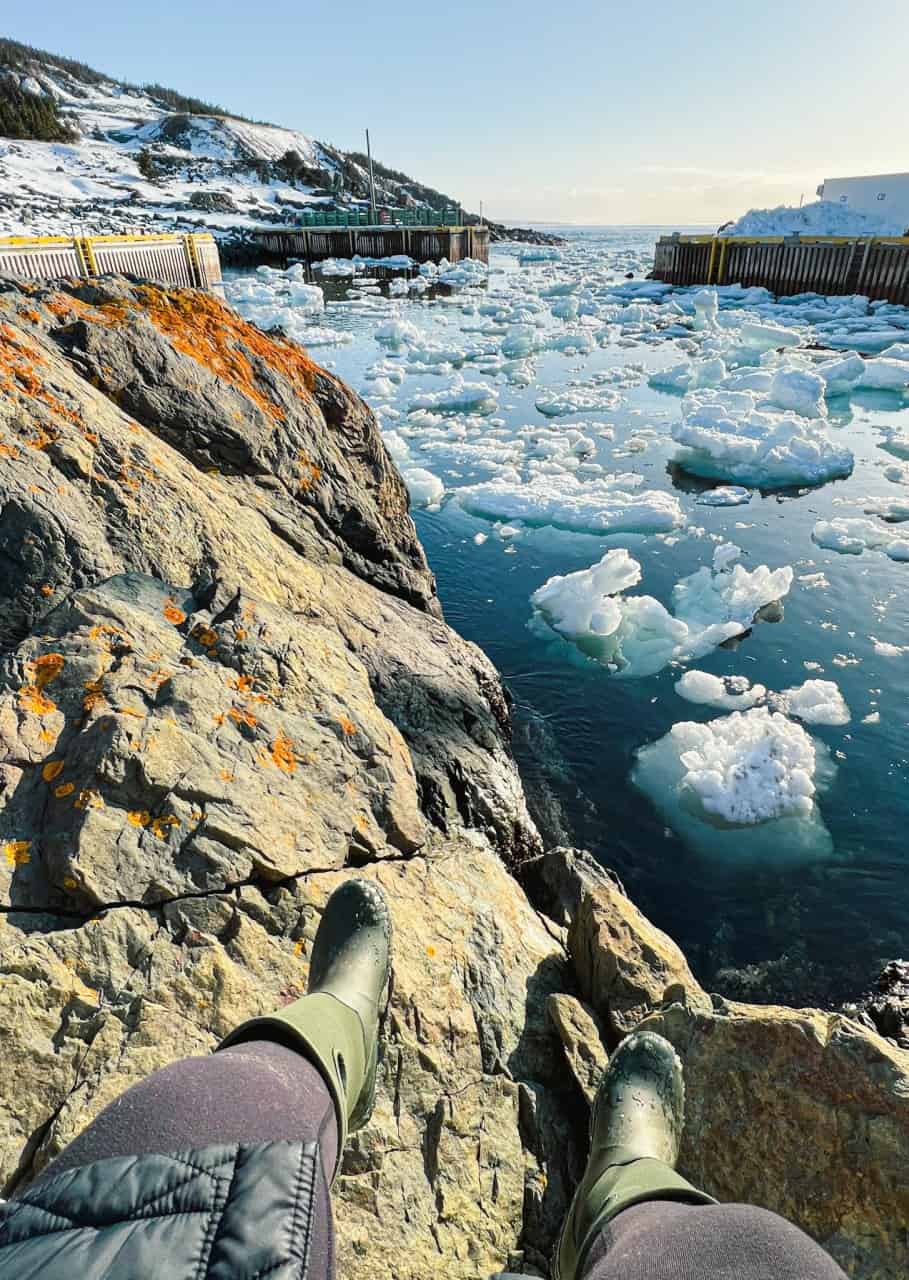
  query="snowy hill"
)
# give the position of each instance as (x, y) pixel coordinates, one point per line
(81, 151)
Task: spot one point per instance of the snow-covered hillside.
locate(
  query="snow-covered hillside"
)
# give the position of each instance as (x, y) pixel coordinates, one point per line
(137, 164)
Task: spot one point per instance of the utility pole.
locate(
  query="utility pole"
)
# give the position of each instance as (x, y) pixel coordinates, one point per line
(482, 223)
(372, 183)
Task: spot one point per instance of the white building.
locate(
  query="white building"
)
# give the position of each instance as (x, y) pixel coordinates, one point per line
(882, 195)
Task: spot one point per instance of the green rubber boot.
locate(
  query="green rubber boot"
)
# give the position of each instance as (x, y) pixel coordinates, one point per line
(635, 1130)
(336, 1025)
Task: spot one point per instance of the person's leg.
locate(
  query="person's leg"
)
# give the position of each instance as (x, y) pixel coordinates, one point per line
(660, 1240)
(259, 1091)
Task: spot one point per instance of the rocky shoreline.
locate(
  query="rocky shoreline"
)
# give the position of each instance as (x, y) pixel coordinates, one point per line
(227, 683)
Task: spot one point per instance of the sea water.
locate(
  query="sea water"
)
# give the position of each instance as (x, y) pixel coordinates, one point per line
(532, 410)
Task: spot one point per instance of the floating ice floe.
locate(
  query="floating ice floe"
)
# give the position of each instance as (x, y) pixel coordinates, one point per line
(637, 636)
(459, 397)
(724, 436)
(728, 693)
(724, 495)
(740, 787)
(799, 391)
(559, 403)
(397, 332)
(425, 489)
(853, 535)
(815, 702)
(606, 504)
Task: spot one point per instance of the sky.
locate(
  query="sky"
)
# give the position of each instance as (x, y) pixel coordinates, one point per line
(583, 112)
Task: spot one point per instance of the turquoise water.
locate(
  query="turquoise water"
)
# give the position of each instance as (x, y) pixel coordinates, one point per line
(815, 930)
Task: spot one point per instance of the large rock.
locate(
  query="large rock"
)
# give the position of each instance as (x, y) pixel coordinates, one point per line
(803, 1112)
(225, 687)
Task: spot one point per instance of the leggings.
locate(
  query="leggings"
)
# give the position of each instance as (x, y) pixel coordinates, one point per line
(254, 1092)
(263, 1092)
(664, 1240)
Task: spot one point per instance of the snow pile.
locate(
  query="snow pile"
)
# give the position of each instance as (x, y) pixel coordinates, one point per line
(821, 218)
(724, 436)
(606, 504)
(636, 635)
(741, 786)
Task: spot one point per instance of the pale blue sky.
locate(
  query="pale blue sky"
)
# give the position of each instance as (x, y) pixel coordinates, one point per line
(667, 111)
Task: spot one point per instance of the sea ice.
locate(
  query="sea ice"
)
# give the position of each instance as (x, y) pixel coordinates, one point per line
(459, 397)
(815, 702)
(728, 693)
(637, 635)
(724, 495)
(607, 504)
(799, 391)
(559, 403)
(740, 786)
(853, 535)
(425, 489)
(724, 436)
(767, 337)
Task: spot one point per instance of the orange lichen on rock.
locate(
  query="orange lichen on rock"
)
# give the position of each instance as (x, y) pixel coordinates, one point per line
(19, 362)
(32, 696)
(89, 799)
(172, 613)
(94, 694)
(52, 770)
(65, 789)
(209, 332)
(348, 728)
(282, 754)
(138, 817)
(161, 826)
(17, 853)
(240, 715)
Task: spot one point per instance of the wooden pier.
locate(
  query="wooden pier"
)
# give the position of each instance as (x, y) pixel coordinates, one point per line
(875, 266)
(422, 244)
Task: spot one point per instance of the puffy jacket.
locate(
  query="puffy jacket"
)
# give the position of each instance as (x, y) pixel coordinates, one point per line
(241, 1212)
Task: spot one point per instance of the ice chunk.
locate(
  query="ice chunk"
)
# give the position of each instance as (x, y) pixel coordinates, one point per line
(717, 606)
(723, 436)
(397, 332)
(768, 337)
(636, 635)
(799, 391)
(815, 702)
(396, 445)
(841, 375)
(885, 375)
(706, 308)
(606, 504)
(425, 489)
(725, 555)
(729, 693)
(459, 397)
(724, 495)
(559, 403)
(851, 535)
(741, 786)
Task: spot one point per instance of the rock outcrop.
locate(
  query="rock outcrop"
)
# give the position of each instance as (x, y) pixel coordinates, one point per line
(226, 683)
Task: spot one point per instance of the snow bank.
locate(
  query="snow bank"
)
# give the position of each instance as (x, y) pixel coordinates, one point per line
(820, 218)
(724, 436)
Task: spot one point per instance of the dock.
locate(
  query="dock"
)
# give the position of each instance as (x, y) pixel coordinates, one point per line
(189, 261)
(422, 244)
(874, 266)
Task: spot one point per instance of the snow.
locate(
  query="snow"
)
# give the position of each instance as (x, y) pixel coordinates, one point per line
(724, 436)
(742, 786)
(820, 218)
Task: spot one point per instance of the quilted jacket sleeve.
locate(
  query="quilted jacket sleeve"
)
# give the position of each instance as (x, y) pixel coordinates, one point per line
(218, 1213)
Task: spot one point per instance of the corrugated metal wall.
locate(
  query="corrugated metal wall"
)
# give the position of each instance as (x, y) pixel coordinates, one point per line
(190, 261)
(875, 267)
